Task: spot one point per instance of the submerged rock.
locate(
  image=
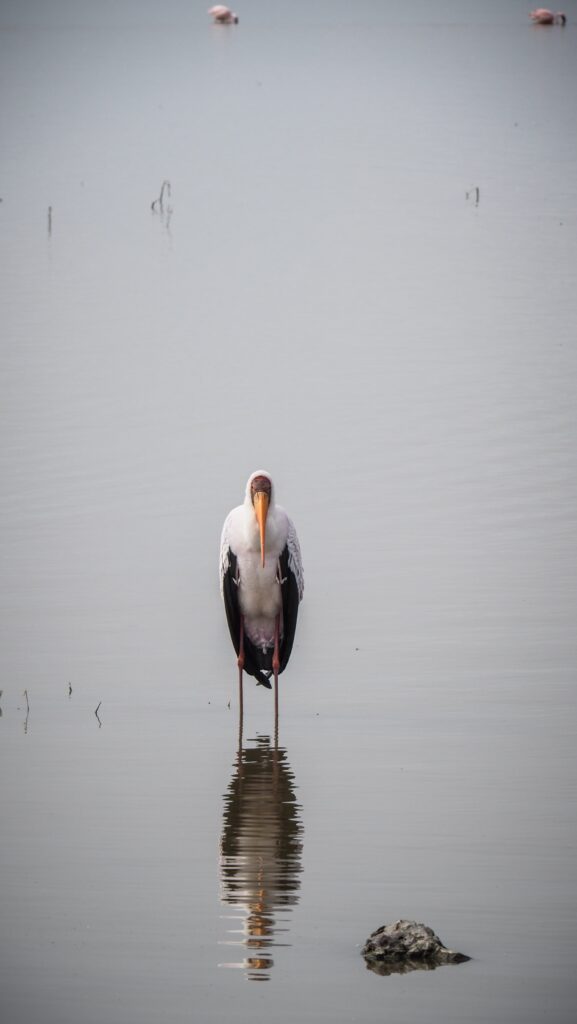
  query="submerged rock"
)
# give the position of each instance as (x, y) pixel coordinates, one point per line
(405, 946)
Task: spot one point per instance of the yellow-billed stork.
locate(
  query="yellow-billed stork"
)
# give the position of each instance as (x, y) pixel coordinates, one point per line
(261, 579)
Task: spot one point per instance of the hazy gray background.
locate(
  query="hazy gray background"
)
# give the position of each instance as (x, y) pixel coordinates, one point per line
(322, 296)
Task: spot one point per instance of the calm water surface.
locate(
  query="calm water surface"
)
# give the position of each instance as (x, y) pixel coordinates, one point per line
(325, 293)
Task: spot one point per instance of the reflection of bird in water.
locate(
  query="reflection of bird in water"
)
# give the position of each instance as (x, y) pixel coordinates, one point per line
(261, 847)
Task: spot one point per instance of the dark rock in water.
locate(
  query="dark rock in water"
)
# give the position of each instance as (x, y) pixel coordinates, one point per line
(407, 946)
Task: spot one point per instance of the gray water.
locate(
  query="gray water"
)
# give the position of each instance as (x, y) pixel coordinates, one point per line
(326, 294)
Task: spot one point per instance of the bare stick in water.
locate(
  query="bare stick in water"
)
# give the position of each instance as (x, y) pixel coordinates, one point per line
(49, 221)
(165, 187)
(27, 712)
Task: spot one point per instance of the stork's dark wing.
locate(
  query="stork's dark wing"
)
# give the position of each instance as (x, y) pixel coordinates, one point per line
(292, 587)
(230, 597)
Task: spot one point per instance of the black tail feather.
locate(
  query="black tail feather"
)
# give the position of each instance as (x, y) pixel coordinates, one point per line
(258, 663)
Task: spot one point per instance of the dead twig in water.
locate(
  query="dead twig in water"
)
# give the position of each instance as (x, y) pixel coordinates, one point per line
(98, 716)
(162, 209)
(476, 192)
(27, 713)
(165, 187)
(49, 221)
(69, 689)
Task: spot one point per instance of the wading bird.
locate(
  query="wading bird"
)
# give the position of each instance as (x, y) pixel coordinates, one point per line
(223, 15)
(541, 16)
(261, 579)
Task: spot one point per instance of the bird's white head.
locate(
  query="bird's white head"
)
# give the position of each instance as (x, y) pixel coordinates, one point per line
(259, 496)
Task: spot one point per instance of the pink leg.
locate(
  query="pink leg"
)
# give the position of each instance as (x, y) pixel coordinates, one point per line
(276, 665)
(240, 663)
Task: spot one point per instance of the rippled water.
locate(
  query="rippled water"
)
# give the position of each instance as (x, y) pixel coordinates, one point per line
(261, 854)
(362, 278)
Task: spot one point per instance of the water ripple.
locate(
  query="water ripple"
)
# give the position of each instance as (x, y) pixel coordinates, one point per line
(260, 854)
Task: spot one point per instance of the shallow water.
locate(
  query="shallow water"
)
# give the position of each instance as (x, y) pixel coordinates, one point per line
(324, 293)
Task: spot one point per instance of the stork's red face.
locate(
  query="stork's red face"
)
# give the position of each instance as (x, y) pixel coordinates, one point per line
(260, 491)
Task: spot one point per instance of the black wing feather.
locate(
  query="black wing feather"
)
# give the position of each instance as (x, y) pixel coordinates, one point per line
(290, 607)
(231, 606)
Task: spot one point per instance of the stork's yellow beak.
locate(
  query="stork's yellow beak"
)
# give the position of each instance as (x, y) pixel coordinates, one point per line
(260, 502)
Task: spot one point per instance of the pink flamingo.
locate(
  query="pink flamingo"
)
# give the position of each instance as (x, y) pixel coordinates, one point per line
(541, 16)
(223, 15)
